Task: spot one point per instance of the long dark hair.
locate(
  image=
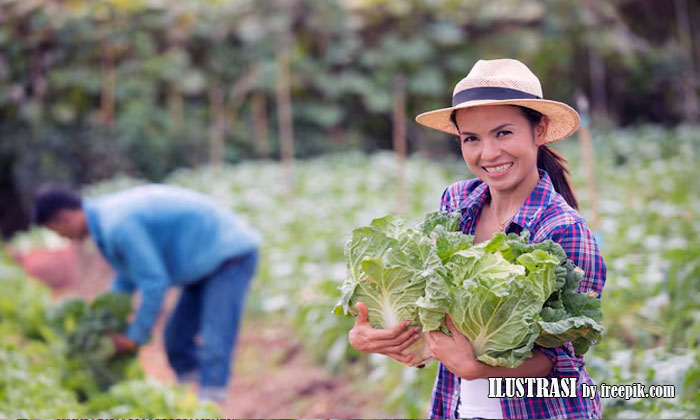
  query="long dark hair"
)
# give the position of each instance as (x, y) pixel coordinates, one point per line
(548, 159)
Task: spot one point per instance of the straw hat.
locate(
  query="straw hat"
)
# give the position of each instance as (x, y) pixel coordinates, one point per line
(504, 82)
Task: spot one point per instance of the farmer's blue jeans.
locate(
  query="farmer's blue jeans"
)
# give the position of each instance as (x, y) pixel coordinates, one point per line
(211, 308)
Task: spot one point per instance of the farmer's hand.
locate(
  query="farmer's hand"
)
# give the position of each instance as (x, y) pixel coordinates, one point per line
(122, 343)
(456, 352)
(390, 342)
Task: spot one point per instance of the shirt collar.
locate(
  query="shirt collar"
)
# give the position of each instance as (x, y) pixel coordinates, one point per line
(540, 197)
(474, 201)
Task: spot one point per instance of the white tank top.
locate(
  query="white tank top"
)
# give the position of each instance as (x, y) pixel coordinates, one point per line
(474, 400)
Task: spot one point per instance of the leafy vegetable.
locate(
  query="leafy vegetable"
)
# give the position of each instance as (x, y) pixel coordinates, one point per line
(570, 316)
(149, 399)
(505, 294)
(388, 266)
(92, 365)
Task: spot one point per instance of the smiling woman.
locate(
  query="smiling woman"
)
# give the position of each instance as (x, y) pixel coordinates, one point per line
(504, 125)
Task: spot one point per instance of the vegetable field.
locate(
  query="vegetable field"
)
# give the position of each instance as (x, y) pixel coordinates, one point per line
(53, 362)
(648, 198)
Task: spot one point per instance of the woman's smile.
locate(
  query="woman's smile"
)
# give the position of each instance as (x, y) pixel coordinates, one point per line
(498, 170)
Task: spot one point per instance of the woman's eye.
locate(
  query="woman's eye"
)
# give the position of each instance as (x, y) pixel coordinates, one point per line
(468, 139)
(503, 133)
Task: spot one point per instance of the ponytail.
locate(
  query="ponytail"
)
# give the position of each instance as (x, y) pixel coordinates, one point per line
(550, 161)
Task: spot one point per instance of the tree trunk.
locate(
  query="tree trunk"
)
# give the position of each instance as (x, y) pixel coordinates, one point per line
(689, 84)
(260, 132)
(596, 69)
(587, 157)
(176, 109)
(238, 93)
(217, 125)
(399, 140)
(337, 135)
(284, 114)
(38, 81)
(598, 92)
(107, 103)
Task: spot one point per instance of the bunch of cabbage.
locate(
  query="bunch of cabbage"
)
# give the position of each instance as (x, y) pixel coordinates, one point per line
(505, 295)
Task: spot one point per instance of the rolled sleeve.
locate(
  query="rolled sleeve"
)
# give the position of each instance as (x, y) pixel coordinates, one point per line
(564, 362)
(580, 246)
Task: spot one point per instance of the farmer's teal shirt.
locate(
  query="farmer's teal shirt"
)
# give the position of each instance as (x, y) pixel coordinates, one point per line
(157, 236)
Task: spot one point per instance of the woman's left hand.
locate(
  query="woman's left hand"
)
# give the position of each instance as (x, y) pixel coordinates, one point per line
(456, 352)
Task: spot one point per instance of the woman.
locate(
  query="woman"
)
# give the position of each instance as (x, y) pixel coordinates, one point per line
(504, 127)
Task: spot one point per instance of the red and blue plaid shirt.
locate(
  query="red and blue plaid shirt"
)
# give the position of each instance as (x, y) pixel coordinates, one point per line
(546, 215)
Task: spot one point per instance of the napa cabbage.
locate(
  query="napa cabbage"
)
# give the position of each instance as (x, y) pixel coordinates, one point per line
(505, 294)
(388, 265)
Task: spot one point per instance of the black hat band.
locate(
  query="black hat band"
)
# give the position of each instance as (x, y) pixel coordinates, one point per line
(490, 93)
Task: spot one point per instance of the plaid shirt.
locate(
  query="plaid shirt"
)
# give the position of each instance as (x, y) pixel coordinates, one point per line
(546, 215)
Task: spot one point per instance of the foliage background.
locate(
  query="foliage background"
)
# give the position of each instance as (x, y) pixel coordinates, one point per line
(104, 94)
(89, 89)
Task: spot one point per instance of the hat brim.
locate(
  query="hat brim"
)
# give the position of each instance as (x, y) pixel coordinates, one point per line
(563, 119)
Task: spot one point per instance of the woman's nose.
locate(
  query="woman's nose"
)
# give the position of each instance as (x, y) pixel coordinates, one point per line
(490, 150)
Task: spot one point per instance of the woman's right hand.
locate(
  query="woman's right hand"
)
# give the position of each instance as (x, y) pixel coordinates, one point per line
(391, 342)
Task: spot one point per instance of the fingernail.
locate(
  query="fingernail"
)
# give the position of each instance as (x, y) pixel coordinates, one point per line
(415, 336)
(416, 329)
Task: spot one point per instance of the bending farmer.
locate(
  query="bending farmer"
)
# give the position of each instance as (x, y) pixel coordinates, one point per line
(158, 236)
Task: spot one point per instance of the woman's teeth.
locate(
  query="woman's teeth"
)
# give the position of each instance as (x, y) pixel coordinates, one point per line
(500, 168)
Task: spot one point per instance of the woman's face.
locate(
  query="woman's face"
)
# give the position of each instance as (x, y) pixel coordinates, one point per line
(500, 146)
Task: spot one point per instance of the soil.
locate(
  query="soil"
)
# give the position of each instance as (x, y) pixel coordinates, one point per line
(274, 376)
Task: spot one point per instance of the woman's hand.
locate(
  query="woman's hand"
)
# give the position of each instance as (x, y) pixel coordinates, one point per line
(456, 352)
(390, 342)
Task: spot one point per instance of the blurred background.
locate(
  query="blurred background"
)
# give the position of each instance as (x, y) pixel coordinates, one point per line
(298, 114)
